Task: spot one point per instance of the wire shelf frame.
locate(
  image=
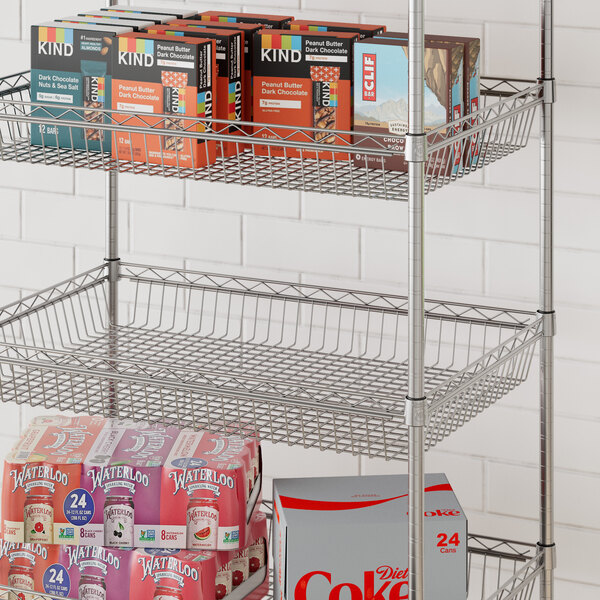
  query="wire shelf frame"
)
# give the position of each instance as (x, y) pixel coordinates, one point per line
(290, 158)
(312, 366)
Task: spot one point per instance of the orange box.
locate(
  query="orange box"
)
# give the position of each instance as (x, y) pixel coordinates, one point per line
(267, 21)
(362, 29)
(303, 79)
(156, 75)
(248, 29)
(230, 67)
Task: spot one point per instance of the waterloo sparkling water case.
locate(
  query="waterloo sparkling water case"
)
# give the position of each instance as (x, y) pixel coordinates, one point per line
(347, 537)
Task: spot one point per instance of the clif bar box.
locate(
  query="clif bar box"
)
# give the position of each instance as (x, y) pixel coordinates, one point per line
(351, 533)
(132, 24)
(230, 66)
(303, 79)
(267, 21)
(175, 11)
(363, 30)
(154, 75)
(71, 66)
(155, 18)
(381, 96)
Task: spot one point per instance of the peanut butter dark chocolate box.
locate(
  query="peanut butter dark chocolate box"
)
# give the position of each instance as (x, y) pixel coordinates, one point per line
(153, 75)
(381, 97)
(303, 79)
(267, 21)
(363, 30)
(230, 58)
(175, 11)
(71, 66)
(156, 18)
(133, 24)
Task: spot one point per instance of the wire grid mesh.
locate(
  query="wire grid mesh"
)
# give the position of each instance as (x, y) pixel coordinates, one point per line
(319, 367)
(264, 155)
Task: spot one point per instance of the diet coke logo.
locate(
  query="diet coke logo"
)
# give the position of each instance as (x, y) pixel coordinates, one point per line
(390, 584)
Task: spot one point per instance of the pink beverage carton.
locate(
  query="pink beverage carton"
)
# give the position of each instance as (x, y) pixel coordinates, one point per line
(204, 502)
(122, 473)
(42, 500)
(172, 574)
(348, 536)
(94, 572)
(23, 566)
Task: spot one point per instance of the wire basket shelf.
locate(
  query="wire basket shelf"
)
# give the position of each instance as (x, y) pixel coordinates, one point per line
(318, 367)
(289, 159)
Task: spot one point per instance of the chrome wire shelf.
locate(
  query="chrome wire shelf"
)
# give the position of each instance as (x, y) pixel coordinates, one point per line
(318, 367)
(293, 159)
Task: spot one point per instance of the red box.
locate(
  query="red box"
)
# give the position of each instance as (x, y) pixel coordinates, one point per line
(267, 21)
(362, 29)
(148, 80)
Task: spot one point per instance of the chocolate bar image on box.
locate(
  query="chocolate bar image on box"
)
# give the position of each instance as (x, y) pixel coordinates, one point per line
(174, 102)
(325, 101)
(94, 96)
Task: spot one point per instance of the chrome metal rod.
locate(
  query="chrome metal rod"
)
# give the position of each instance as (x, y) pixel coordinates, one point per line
(547, 303)
(416, 298)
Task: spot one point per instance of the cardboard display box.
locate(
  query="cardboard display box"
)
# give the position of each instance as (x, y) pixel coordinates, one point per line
(230, 66)
(71, 66)
(267, 21)
(175, 11)
(363, 30)
(156, 18)
(133, 24)
(303, 79)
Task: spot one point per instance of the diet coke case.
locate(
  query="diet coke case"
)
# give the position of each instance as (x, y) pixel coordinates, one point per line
(23, 566)
(122, 473)
(350, 535)
(206, 502)
(41, 496)
(94, 572)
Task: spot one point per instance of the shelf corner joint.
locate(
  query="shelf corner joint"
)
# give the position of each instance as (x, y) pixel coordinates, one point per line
(548, 91)
(417, 413)
(415, 149)
(548, 323)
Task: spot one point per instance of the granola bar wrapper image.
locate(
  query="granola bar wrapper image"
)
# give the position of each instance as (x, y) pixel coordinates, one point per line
(94, 96)
(174, 88)
(325, 101)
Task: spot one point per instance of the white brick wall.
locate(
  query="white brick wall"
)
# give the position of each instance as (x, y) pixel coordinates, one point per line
(482, 239)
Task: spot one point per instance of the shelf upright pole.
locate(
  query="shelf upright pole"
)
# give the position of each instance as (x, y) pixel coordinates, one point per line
(415, 154)
(547, 81)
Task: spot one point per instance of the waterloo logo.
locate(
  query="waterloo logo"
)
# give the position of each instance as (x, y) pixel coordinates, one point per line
(46, 476)
(167, 567)
(385, 583)
(98, 557)
(281, 48)
(369, 85)
(69, 439)
(191, 480)
(136, 52)
(117, 476)
(14, 550)
(55, 41)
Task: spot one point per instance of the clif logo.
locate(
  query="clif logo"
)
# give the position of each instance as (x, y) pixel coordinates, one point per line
(369, 87)
(392, 584)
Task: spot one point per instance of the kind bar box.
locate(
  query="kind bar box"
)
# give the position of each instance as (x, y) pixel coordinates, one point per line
(350, 534)
(177, 12)
(206, 501)
(122, 473)
(381, 97)
(156, 75)
(363, 30)
(471, 80)
(230, 60)
(23, 566)
(303, 79)
(92, 573)
(248, 29)
(71, 66)
(131, 24)
(155, 18)
(267, 21)
(41, 474)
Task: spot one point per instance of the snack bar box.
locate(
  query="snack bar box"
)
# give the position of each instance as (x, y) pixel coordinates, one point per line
(155, 75)
(351, 534)
(155, 18)
(133, 24)
(177, 12)
(97, 482)
(71, 66)
(267, 21)
(381, 97)
(23, 566)
(304, 79)
(363, 30)
(230, 67)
